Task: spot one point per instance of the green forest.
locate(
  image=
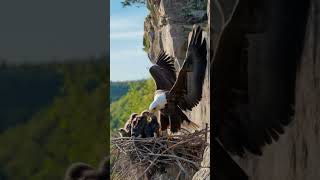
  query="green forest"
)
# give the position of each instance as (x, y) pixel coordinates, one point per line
(139, 96)
(118, 89)
(52, 115)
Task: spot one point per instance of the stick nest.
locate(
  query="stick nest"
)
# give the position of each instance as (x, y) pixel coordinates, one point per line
(140, 158)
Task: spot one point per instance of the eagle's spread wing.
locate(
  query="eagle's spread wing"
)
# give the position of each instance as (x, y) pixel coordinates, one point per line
(254, 81)
(163, 72)
(187, 91)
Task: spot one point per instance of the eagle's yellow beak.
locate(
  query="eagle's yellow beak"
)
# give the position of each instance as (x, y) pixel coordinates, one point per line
(150, 114)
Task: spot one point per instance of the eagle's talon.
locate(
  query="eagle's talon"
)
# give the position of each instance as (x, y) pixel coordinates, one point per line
(170, 137)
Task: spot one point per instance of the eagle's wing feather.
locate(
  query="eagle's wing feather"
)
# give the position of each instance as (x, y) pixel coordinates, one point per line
(166, 62)
(268, 77)
(163, 72)
(187, 90)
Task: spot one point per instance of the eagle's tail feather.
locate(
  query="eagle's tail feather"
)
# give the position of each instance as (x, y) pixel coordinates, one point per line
(193, 125)
(187, 121)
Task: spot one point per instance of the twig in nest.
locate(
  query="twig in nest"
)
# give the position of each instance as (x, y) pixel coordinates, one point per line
(154, 154)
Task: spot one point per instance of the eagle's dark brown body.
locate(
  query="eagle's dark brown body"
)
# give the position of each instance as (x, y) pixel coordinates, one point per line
(141, 127)
(182, 92)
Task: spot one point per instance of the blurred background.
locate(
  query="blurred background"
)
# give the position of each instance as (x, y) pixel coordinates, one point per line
(54, 63)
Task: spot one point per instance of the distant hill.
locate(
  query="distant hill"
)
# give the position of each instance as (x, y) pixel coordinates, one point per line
(24, 90)
(138, 98)
(118, 89)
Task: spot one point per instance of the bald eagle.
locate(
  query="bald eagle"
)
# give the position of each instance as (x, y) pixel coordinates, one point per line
(175, 94)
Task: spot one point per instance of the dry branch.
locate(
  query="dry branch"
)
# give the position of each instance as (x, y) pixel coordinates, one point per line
(140, 157)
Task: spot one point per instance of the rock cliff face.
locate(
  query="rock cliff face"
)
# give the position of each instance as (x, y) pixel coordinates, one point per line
(167, 28)
(296, 155)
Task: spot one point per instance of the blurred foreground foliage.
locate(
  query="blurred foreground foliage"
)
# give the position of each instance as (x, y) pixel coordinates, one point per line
(71, 128)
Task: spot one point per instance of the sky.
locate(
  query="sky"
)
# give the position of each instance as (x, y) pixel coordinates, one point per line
(42, 30)
(128, 60)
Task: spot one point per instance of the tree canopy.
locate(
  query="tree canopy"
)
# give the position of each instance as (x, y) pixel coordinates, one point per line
(126, 3)
(138, 98)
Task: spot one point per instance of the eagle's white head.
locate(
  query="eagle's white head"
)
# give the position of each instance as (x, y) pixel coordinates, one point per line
(159, 101)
